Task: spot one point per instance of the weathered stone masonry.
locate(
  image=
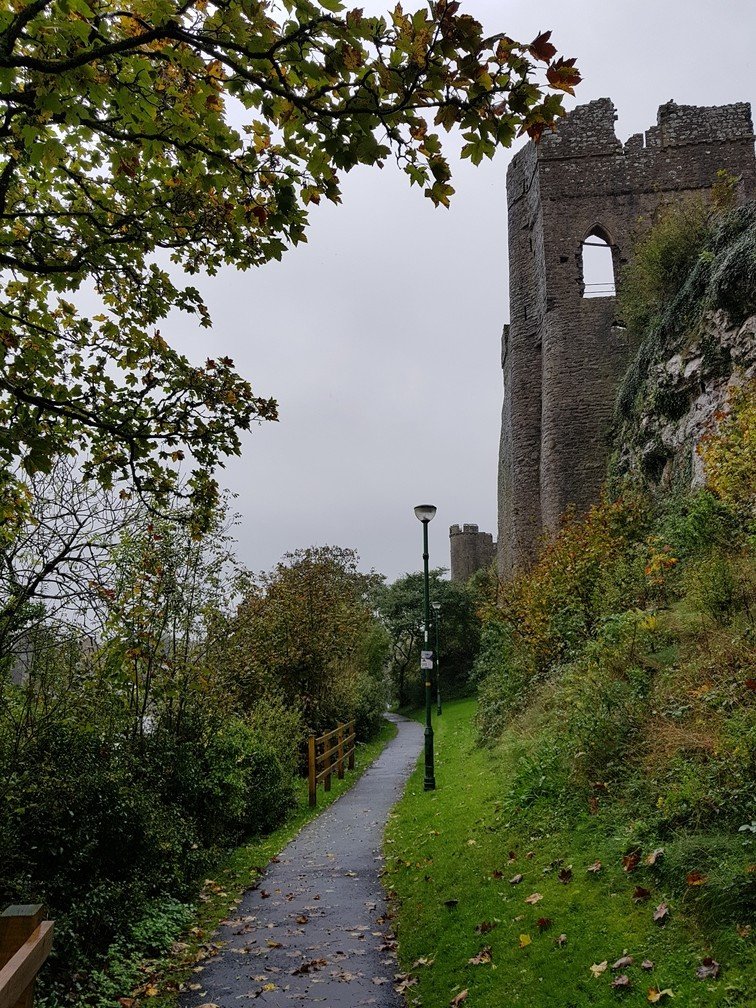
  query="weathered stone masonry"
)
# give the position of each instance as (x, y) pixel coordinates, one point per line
(470, 550)
(563, 354)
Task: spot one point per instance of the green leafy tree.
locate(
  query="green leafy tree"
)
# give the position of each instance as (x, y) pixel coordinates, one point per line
(149, 137)
(307, 631)
(401, 606)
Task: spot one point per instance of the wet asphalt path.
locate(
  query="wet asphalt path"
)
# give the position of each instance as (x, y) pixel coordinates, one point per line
(313, 930)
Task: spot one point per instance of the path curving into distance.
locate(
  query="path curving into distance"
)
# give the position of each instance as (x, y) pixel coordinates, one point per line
(314, 925)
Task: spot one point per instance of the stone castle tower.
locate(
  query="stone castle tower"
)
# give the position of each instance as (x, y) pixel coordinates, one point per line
(564, 350)
(470, 550)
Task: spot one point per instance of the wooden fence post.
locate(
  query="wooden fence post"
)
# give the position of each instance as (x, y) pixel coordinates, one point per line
(352, 747)
(340, 761)
(312, 786)
(17, 925)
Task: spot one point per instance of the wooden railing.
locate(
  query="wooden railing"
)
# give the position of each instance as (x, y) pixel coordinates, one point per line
(25, 942)
(326, 755)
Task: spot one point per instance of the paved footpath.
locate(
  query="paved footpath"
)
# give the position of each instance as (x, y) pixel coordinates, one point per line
(315, 925)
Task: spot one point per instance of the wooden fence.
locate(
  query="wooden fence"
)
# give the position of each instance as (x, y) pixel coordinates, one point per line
(25, 943)
(326, 755)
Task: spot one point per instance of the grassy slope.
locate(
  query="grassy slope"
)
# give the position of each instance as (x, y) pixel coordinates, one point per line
(239, 871)
(447, 845)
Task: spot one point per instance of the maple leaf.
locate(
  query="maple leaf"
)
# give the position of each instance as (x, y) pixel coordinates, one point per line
(543, 923)
(631, 861)
(661, 913)
(496, 874)
(598, 968)
(654, 994)
(541, 48)
(654, 856)
(621, 981)
(561, 940)
(484, 927)
(595, 867)
(640, 894)
(564, 75)
(565, 875)
(647, 964)
(708, 970)
(482, 958)
(422, 961)
(459, 999)
(622, 963)
(533, 898)
(516, 879)
(696, 878)
(524, 940)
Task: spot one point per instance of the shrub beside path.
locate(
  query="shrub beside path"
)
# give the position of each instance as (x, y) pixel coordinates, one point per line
(313, 930)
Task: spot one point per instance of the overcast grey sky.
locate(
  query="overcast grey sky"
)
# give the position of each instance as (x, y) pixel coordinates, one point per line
(380, 338)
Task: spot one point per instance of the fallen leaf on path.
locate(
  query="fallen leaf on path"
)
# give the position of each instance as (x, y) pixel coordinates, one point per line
(654, 994)
(621, 981)
(661, 913)
(598, 968)
(482, 958)
(708, 970)
(309, 967)
(459, 999)
(273, 944)
(378, 981)
(302, 919)
(533, 898)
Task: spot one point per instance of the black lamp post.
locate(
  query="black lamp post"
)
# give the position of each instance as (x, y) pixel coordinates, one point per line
(424, 513)
(437, 621)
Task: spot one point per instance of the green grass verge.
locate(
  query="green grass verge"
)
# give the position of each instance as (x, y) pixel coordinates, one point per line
(162, 979)
(463, 843)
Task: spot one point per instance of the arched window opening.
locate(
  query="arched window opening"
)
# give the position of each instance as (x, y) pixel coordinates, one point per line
(598, 267)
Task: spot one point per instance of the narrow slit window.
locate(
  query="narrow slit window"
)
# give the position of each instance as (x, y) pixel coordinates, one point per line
(598, 267)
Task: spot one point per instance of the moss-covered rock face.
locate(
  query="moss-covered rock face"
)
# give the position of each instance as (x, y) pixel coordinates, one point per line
(679, 401)
(696, 347)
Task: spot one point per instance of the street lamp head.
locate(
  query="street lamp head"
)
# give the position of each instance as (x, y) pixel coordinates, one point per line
(436, 606)
(425, 512)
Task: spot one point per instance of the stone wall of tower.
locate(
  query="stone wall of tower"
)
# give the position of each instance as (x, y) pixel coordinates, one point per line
(470, 550)
(563, 354)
